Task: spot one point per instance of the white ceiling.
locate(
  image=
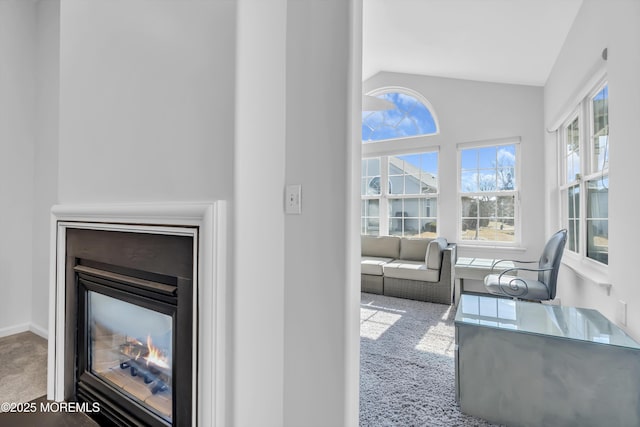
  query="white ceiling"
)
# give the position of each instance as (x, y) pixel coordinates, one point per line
(507, 41)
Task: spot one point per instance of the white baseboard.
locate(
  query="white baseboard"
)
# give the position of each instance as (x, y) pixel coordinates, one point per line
(12, 330)
(24, 327)
(39, 330)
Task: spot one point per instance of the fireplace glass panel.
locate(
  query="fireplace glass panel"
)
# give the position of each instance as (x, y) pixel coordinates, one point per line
(131, 349)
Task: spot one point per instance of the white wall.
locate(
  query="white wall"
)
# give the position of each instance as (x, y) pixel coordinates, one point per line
(147, 100)
(616, 26)
(46, 154)
(469, 111)
(17, 109)
(318, 279)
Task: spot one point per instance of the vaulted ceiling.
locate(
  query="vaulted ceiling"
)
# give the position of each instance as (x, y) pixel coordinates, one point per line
(506, 41)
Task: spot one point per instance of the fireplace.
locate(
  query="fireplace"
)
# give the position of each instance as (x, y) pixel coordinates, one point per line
(134, 322)
(139, 314)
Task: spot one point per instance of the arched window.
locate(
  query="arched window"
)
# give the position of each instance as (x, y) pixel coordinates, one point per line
(399, 188)
(410, 117)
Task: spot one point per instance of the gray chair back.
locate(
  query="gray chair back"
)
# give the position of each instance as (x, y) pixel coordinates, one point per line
(550, 259)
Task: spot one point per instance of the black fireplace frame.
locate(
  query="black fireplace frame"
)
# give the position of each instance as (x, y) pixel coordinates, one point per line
(159, 287)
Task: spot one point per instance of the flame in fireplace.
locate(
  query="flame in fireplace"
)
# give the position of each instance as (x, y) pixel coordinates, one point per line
(155, 356)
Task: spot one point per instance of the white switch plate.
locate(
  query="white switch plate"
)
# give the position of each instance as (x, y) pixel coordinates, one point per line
(622, 312)
(292, 201)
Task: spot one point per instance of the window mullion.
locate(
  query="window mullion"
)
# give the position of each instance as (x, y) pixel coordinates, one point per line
(384, 195)
(596, 175)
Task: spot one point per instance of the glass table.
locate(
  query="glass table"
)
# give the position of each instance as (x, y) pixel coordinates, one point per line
(476, 269)
(522, 363)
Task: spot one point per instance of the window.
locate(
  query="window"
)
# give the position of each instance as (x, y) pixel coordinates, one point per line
(399, 185)
(371, 192)
(488, 194)
(411, 117)
(399, 195)
(585, 164)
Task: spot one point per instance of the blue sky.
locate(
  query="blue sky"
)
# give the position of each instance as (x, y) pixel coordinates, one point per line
(410, 118)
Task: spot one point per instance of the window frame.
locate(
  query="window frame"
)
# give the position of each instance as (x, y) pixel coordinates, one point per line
(517, 215)
(584, 112)
(385, 195)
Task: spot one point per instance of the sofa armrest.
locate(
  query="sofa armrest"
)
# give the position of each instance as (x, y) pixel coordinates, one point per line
(447, 269)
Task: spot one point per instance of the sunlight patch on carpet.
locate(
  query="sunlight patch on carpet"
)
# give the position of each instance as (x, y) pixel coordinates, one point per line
(374, 323)
(437, 340)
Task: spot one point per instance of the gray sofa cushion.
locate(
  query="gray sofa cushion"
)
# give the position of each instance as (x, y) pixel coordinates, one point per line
(413, 249)
(381, 246)
(373, 265)
(411, 270)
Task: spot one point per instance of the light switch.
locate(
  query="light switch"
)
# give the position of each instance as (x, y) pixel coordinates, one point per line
(293, 196)
(622, 313)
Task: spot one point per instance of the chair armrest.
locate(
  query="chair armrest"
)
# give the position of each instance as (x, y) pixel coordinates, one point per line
(512, 288)
(498, 261)
(516, 269)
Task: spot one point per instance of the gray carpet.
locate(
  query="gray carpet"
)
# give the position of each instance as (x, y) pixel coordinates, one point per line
(406, 364)
(23, 367)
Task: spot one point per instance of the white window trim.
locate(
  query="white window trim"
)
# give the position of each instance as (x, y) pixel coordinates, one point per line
(582, 265)
(401, 146)
(517, 243)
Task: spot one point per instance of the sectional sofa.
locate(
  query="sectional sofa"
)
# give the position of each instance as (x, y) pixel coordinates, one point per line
(413, 268)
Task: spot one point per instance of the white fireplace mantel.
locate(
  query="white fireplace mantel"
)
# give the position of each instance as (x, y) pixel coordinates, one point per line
(206, 222)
